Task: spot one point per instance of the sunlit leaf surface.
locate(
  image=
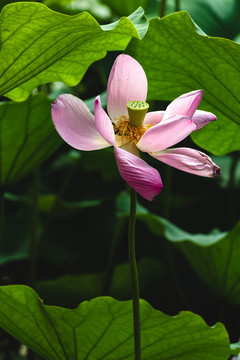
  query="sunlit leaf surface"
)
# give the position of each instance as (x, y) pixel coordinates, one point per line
(177, 60)
(41, 46)
(102, 329)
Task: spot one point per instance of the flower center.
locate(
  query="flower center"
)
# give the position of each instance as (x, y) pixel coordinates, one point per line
(136, 112)
(131, 127)
(134, 133)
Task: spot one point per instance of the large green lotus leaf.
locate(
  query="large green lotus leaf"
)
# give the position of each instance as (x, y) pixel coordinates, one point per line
(102, 329)
(27, 137)
(177, 59)
(40, 45)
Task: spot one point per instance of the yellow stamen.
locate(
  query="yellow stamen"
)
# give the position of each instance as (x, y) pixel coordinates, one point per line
(134, 133)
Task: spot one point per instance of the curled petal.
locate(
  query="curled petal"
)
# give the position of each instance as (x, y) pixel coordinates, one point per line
(140, 176)
(185, 104)
(75, 123)
(103, 123)
(189, 160)
(127, 82)
(166, 133)
(202, 118)
(153, 118)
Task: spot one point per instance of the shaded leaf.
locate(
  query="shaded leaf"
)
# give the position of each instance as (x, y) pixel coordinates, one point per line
(15, 241)
(102, 161)
(102, 329)
(27, 137)
(70, 289)
(41, 46)
(15, 244)
(228, 178)
(177, 60)
(47, 203)
(215, 256)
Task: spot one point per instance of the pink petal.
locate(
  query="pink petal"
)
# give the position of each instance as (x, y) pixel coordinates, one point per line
(153, 117)
(103, 123)
(202, 118)
(127, 82)
(189, 160)
(185, 104)
(75, 123)
(141, 177)
(166, 133)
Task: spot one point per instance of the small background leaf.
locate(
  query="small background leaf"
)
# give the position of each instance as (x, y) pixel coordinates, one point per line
(215, 257)
(71, 289)
(27, 137)
(215, 18)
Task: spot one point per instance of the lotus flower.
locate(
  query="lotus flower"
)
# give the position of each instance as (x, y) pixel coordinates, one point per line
(154, 133)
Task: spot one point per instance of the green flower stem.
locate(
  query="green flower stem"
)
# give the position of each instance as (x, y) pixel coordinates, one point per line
(134, 275)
